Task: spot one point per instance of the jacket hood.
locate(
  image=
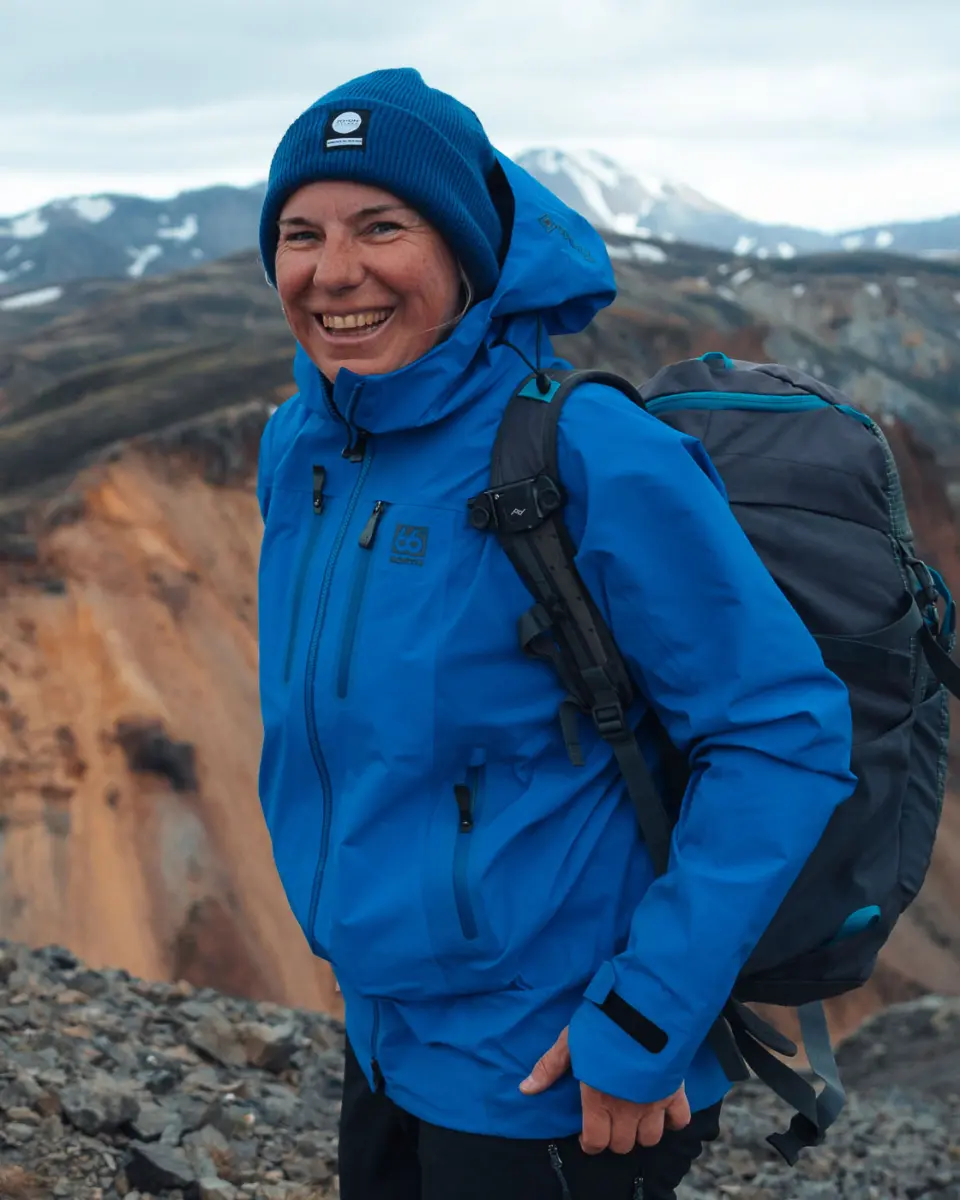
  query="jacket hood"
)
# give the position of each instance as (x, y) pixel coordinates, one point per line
(556, 276)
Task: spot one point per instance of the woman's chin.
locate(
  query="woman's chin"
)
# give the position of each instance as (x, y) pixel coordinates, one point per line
(367, 357)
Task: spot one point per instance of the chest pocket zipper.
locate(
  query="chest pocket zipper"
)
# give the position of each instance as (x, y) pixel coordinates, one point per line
(352, 618)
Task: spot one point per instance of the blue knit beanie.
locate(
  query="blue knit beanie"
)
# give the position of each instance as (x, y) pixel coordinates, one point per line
(390, 130)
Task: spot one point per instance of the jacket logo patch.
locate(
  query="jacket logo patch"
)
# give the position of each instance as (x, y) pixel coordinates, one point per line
(409, 546)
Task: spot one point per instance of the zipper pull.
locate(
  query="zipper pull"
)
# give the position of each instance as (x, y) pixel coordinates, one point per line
(319, 480)
(356, 450)
(370, 529)
(465, 805)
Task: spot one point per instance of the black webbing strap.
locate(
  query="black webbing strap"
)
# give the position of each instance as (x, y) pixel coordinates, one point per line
(587, 671)
(760, 1029)
(942, 665)
(885, 651)
(809, 1126)
(648, 805)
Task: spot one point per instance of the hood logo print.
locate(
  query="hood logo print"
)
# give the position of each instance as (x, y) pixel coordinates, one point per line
(550, 225)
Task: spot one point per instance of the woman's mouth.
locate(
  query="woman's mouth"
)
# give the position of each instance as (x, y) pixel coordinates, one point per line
(355, 326)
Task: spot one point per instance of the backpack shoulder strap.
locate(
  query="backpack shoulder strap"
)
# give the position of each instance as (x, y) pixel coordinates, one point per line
(523, 506)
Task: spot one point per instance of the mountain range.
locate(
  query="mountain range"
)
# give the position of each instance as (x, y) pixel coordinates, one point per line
(96, 237)
(128, 237)
(612, 198)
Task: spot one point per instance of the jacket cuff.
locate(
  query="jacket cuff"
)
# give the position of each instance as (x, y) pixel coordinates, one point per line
(606, 1056)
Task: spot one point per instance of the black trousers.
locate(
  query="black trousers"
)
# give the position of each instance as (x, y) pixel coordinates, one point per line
(387, 1154)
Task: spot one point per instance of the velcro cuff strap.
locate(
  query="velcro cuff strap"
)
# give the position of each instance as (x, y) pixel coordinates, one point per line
(643, 1031)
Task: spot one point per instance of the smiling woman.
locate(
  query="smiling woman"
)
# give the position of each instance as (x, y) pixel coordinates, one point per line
(526, 1015)
(365, 281)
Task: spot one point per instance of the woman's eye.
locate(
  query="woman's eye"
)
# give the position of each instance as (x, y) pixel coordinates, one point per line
(384, 227)
(298, 235)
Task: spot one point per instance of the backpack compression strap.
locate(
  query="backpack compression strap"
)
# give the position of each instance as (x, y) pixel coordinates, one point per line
(564, 627)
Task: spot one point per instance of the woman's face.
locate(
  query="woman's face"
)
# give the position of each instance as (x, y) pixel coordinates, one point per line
(364, 281)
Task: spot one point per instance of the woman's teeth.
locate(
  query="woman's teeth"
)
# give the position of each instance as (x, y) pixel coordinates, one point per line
(355, 320)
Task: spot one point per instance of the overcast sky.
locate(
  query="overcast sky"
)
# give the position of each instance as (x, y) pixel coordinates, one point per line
(827, 113)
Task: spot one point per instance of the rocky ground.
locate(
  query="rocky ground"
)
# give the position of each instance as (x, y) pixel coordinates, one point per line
(112, 1088)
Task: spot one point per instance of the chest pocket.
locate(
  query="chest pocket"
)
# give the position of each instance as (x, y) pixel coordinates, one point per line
(381, 661)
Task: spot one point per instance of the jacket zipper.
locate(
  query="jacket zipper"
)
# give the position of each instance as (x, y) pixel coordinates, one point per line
(309, 687)
(466, 797)
(319, 480)
(378, 1080)
(352, 618)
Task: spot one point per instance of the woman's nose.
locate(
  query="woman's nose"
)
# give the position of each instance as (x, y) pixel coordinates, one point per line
(338, 266)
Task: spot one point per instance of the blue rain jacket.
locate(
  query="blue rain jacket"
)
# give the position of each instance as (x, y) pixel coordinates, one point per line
(394, 693)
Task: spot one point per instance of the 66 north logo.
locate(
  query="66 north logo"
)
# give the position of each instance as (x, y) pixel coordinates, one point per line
(409, 545)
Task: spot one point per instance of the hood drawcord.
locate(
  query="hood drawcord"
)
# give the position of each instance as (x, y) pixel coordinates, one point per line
(542, 378)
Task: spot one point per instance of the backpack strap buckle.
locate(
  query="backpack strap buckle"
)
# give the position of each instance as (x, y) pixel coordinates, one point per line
(609, 719)
(927, 591)
(516, 507)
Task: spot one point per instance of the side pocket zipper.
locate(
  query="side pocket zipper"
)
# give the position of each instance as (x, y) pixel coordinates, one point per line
(466, 797)
(319, 481)
(352, 618)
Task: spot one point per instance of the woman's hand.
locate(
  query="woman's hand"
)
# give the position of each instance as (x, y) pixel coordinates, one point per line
(608, 1121)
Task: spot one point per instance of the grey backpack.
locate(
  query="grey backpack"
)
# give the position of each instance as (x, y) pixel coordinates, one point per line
(814, 485)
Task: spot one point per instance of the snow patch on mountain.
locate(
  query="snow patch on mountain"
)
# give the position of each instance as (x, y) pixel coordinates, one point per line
(644, 253)
(29, 225)
(92, 208)
(142, 259)
(32, 299)
(184, 232)
(20, 269)
(636, 251)
(883, 240)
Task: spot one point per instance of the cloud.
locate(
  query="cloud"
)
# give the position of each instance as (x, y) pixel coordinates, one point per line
(735, 96)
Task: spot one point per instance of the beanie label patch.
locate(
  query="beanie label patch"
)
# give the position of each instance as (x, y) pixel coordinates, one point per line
(346, 130)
